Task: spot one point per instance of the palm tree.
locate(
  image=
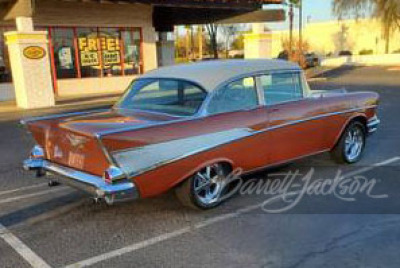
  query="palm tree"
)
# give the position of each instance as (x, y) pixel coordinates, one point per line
(292, 4)
(388, 11)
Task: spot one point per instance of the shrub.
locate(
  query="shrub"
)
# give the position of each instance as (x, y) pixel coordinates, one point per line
(366, 52)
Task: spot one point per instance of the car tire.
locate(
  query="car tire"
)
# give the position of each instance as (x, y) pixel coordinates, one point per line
(191, 194)
(351, 144)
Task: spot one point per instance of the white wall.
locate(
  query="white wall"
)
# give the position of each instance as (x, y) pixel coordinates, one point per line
(384, 59)
(90, 86)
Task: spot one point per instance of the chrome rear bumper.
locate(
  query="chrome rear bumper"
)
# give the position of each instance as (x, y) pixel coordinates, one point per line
(373, 124)
(94, 185)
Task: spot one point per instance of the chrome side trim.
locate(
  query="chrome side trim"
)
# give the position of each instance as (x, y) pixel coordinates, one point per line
(114, 131)
(24, 121)
(103, 148)
(94, 185)
(294, 122)
(129, 160)
(139, 160)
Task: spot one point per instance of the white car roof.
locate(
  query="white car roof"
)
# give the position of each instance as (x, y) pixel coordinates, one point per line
(210, 74)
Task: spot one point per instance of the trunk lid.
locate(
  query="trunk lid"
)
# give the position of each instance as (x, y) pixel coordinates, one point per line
(72, 141)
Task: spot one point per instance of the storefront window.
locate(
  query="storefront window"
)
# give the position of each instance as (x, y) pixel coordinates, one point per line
(89, 52)
(131, 44)
(64, 52)
(95, 52)
(110, 43)
(5, 69)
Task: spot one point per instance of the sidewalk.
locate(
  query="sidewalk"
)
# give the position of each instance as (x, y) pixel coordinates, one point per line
(9, 111)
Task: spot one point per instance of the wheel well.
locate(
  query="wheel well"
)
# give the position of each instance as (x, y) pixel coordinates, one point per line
(226, 165)
(358, 118)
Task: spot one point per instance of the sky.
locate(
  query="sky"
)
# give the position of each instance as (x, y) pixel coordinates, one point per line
(313, 11)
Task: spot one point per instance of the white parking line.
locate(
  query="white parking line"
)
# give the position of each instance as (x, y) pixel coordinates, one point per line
(365, 169)
(23, 189)
(208, 222)
(25, 252)
(25, 196)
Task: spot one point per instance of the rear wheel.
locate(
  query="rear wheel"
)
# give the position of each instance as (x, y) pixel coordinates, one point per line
(351, 145)
(205, 188)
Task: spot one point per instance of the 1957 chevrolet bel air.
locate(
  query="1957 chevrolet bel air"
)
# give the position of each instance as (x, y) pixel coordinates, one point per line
(188, 126)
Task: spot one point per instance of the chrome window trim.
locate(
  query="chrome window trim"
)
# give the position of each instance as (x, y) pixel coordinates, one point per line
(260, 91)
(251, 133)
(202, 112)
(197, 113)
(301, 83)
(226, 83)
(251, 74)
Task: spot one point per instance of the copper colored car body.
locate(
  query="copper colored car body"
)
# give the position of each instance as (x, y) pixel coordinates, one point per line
(131, 151)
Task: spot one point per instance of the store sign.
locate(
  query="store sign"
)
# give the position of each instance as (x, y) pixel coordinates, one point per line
(91, 45)
(34, 52)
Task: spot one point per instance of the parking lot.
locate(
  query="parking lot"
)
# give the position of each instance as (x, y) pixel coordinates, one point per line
(59, 227)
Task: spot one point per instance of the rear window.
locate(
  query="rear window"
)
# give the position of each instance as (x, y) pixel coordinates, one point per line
(170, 96)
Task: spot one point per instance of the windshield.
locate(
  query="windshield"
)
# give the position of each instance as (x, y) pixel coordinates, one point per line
(171, 96)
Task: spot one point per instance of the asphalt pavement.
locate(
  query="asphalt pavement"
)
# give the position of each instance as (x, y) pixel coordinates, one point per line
(60, 227)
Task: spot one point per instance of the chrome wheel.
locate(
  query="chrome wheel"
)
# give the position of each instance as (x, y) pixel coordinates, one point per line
(208, 184)
(354, 143)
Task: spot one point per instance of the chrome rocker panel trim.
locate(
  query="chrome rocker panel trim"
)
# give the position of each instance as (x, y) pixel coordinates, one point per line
(94, 185)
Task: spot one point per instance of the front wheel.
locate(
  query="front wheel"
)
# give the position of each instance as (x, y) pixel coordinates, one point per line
(351, 145)
(205, 188)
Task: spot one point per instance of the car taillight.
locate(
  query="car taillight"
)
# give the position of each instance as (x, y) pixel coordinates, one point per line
(113, 174)
(37, 152)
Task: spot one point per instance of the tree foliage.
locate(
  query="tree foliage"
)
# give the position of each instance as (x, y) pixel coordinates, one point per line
(388, 11)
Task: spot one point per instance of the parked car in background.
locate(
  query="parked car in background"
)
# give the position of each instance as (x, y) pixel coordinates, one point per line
(188, 126)
(306, 60)
(312, 60)
(345, 53)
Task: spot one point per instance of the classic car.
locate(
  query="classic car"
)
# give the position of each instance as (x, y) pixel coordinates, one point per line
(188, 126)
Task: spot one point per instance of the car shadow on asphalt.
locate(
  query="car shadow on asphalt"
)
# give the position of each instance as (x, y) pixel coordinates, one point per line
(338, 72)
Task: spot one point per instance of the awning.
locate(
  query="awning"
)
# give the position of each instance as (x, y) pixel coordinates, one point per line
(165, 18)
(170, 13)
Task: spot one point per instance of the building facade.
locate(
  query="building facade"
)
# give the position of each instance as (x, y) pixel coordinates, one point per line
(330, 37)
(96, 47)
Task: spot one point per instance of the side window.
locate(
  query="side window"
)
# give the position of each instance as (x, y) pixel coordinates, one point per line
(238, 95)
(281, 87)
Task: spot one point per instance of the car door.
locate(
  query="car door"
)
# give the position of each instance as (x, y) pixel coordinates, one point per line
(237, 105)
(295, 128)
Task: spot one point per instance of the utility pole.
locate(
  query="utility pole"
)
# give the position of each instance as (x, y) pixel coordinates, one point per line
(290, 31)
(301, 28)
(187, 42)
(200, 37)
